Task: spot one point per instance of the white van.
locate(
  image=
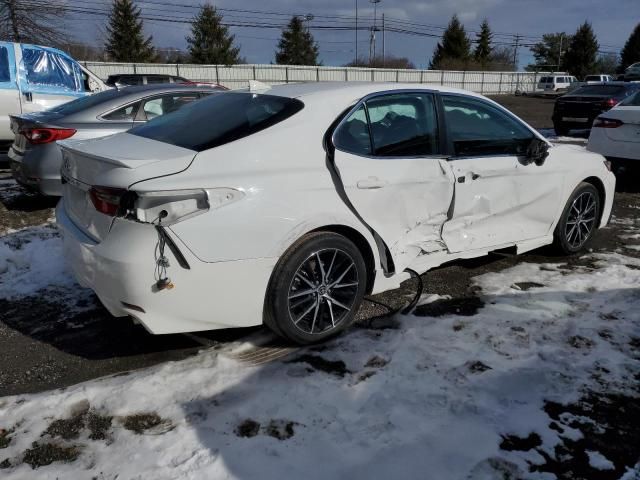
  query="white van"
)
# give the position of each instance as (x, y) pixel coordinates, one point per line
(34, 78)
(556, 83)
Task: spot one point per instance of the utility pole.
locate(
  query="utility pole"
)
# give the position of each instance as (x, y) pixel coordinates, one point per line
(560, 52)
(383, 49)
(515, 52)
(14, 20)
(372, 40)
(308, 17)
(355, 62)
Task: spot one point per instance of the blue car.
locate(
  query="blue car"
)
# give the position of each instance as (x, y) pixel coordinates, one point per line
(34, 78)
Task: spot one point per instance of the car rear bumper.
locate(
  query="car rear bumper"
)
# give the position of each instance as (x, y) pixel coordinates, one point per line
(38, 169)
(600, 143)
(121, 271)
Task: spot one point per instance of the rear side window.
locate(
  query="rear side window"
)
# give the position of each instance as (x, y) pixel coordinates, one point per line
(353, 135)
(5, 75)
(151, 79)
(166, 104)
(49, 69)
(123, 114)
(218, 119)
(477, 128)
(632, 100)
(83, 103)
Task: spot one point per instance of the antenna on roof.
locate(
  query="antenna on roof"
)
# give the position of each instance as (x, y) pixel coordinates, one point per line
(256, 86)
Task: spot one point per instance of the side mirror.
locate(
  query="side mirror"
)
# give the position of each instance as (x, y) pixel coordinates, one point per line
(537, 151)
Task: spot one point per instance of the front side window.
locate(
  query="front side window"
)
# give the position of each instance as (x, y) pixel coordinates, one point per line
(477, 128)
(49, 69)
(5, 75)
(219, 119)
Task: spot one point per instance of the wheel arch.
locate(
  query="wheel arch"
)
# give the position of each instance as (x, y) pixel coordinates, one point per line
(361, 244)
(599, 186)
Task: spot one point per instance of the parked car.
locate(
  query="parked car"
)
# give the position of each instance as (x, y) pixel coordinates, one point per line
(616, 133)
(288, 204)
(632, 72)
(34, 78)
(556, 83)
(590, 79)
(127, 79)
(578, 109)
(35, 158)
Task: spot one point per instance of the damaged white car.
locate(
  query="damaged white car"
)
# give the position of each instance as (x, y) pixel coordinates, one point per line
(287, 205)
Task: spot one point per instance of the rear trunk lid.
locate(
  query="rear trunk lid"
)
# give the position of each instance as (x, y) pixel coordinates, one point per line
(629, 131)
(117, 161)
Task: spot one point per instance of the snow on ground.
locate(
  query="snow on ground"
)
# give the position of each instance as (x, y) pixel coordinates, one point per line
(599, 461)
(430, 398)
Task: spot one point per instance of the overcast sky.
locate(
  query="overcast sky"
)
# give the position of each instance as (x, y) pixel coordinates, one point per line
(612, 20)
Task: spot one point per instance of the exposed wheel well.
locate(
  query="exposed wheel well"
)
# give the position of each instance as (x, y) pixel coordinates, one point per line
(596, 182)
(361, 243)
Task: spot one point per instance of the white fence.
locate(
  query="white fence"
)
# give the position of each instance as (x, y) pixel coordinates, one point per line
(237, 76)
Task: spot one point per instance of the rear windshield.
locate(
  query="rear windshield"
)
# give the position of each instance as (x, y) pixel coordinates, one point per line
(599, 90)
(592, 78)
(83, 103)
(219, 119)
(632, 100)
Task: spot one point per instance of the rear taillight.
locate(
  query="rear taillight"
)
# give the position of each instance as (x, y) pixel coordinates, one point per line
(39, 136)
(602, 122)
(610, 103)
(107, 200)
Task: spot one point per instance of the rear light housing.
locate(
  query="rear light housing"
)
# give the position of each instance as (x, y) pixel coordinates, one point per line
(603, 122)
(610, 103)
(38, 136)
(107, 200)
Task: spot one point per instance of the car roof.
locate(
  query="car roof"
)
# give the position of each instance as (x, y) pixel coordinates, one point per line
(345, 91)
(118, 75)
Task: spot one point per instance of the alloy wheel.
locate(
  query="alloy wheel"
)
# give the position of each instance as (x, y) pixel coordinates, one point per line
(323, 291)
(581, 219)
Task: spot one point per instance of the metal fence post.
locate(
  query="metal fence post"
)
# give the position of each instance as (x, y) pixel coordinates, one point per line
(442, 77)
(464, 78)
(346, 74)
(421, 76)
(134, 69)
(253, 68)
(500, 85)
(373, 78)
(286, 74)
(482, 84)
(397, 76)
(217, 75)
(317, 74)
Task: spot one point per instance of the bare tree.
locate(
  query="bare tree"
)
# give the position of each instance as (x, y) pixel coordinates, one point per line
(33, 21)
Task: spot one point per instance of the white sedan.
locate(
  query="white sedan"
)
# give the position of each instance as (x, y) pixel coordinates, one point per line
(616, 133)
(287, 205)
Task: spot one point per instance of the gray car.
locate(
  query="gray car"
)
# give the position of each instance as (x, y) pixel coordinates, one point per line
(36, 158)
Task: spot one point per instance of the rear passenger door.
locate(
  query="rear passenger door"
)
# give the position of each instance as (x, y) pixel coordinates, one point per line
(500, 198)
(387, 155)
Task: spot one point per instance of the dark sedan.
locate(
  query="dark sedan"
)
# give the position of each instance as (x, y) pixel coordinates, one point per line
(35, 157)
(578, 109)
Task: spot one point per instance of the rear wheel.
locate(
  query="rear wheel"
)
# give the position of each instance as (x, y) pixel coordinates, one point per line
(316, 288)
(579, 219)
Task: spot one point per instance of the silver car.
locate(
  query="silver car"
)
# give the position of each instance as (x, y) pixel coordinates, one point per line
(36, 158)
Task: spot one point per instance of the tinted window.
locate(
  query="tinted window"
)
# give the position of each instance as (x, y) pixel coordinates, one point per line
(123, 114)
(48, 69)
(160, 79)
(545, 80)
(599, 90)
(129, 80)
(403, 124)
(353, 135)
(219, 119)
(632, 100)
(5, 76)
(592, 78)
(477, 128)
(167, 104)
(85, 102)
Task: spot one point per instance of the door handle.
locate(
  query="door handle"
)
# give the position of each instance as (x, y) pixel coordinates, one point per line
(28, 96)
(371, 183)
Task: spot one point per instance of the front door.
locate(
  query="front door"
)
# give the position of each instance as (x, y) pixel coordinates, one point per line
(500, 197)
(394, 177)
(9, 95)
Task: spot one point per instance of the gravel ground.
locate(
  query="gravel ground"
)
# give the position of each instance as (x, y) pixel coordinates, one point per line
(46, 344)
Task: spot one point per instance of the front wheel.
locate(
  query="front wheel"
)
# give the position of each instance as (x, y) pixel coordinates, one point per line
(579, 219)
(316, 288)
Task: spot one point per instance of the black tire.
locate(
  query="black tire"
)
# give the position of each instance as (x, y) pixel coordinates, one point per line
(578, 214)
(560, 129)
(333, 266)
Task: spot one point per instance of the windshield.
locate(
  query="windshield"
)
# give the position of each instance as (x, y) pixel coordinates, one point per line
(599, 90)
(219, 119)
(83, 103)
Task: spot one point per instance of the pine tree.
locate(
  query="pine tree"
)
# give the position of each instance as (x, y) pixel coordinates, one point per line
(548, 51)
(631, 52)
(210, 41)
(455, 46)
(296, 46)
(484, 49)
(126, 42)
(581, 56)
